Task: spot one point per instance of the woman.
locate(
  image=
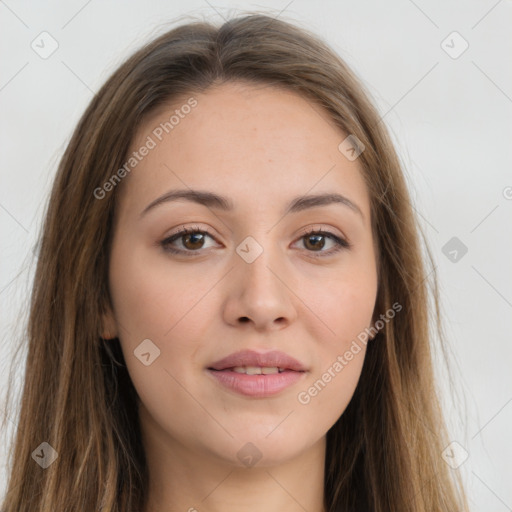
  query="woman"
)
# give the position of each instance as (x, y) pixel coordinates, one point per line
(230, 309)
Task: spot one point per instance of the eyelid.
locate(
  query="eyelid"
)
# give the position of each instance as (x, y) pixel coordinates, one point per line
(320, 228)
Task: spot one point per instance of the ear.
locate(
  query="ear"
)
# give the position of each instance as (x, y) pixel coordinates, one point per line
(108, 324)
(376, 309)
(375, 317)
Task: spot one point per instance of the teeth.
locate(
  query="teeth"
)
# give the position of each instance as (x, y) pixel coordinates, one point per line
(253, 370)
(257, 370)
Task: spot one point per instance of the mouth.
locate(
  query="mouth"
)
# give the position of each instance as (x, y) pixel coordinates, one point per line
(257, 375)
(253, 370)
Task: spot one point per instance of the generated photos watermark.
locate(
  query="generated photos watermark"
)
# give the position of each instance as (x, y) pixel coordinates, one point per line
(151, 142)
(304, 397)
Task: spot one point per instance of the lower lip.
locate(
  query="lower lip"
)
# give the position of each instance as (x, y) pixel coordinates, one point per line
(257, 385)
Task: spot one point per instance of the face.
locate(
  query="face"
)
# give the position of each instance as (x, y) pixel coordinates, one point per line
(264, 274)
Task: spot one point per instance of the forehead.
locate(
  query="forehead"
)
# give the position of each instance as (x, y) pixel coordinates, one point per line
(258, 144)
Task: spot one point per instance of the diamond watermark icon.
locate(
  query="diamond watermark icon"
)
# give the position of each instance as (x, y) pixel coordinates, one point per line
(249, 249)
(147, 352)
(249, 455)
(454, 455)
(454, 249)
(45, 45)
(454, 45)
(45, 455)
(351, 147)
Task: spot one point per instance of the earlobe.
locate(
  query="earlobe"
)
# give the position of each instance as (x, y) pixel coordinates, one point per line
(374, 319)
(108, 325)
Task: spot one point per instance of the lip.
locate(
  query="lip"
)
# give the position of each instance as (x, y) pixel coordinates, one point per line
(257, 386)
(252, 358)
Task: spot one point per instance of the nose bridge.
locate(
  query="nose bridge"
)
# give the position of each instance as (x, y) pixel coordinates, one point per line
(260, 293)
(260, 261)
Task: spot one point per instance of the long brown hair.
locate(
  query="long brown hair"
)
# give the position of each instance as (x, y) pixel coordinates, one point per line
(383, 453)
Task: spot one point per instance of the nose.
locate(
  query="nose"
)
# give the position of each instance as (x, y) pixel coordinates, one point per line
(261, 294)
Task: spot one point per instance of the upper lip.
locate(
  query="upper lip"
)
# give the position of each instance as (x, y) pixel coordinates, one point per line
(271, 359)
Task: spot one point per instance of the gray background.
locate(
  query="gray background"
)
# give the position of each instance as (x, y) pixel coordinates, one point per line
(450, 114)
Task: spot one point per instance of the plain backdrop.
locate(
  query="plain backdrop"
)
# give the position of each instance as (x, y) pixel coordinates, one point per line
(440, 77)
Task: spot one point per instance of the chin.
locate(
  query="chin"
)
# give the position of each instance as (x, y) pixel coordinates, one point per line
(251, 448)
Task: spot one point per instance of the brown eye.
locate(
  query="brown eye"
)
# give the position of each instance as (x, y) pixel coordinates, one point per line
(192, 240)
(315, 240)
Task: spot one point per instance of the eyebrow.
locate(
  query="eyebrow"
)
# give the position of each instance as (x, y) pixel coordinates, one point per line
(212, 200)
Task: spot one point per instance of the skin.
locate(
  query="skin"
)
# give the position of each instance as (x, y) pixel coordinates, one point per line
(261, 147)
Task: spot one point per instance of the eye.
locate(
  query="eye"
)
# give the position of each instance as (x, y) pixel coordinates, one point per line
(315, 239)
(191, 239)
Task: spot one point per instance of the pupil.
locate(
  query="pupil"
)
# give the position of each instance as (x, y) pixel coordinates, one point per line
(316, 238)
(192, 236)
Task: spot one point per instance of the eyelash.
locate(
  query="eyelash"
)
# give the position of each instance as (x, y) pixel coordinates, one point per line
(341, 243)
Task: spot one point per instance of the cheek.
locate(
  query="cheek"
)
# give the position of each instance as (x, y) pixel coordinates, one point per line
(344, 305)
(329, 395)
(152, 303)
(149, 300)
